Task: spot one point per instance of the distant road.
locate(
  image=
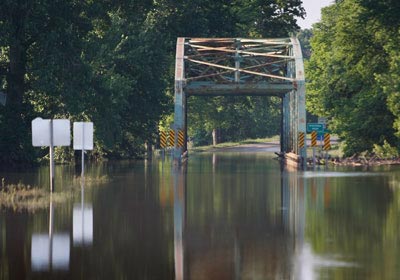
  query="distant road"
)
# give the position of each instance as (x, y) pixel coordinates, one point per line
(249, 148)
(272, 146)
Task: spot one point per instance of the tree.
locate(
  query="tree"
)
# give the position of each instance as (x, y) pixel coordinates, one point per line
(346, 59)
(110, 62)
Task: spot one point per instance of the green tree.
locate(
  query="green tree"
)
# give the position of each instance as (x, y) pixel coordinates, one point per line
(347, 56)
(112, 63)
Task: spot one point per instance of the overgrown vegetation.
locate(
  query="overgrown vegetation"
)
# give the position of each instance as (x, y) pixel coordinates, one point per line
(30, 198)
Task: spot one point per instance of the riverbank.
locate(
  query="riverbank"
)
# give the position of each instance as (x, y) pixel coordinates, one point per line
(364, 161)
(335, 155)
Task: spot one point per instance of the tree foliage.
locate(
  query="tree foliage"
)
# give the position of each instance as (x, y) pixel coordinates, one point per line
(349, 73)
(111, 62)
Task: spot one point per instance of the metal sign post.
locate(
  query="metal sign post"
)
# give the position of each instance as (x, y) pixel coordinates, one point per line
(83, 154)
(51, 152)
(51, 133)
(83, 140)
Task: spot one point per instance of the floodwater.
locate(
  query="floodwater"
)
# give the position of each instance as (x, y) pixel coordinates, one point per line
(222, 216)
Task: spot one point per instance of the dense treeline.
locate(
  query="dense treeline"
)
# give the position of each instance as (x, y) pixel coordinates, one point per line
(111, 62)
(354, 72)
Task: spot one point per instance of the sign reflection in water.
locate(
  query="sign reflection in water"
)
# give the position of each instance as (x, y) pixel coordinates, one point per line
(82, 218)
(50, 251)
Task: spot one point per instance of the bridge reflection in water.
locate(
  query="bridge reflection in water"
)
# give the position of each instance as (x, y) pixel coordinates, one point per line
(239, 245)
(260, 241)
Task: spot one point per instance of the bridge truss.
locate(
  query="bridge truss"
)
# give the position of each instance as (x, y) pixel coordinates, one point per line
(249, 67)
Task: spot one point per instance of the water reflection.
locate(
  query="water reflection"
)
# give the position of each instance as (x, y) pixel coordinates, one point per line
(179, 220)
(50, 251)
(245, 243)
(260, 240)
(306, 263)
(224, 216)
(82, 220)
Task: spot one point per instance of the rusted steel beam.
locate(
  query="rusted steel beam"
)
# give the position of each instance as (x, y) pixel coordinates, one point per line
(241, 70)
(265, 89)
(225, 49)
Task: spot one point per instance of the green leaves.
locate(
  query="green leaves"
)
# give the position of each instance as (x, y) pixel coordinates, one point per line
(347, 73)
(112, 63)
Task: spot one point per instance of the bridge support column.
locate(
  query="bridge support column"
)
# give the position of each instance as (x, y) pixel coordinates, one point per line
(180, 116)
(294, 107)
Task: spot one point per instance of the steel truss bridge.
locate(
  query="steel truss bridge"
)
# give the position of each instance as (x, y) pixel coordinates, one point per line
(243, 67)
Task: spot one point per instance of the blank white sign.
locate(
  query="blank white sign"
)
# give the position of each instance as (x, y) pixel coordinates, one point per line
(83, 135)
(41, 132)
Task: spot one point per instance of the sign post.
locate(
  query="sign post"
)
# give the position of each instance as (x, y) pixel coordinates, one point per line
(83, 140)
(51, 133)
(51, 152)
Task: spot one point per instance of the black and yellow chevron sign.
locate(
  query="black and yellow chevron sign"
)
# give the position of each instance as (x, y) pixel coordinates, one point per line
(313, 139)
(327, 141)
(181, 138)
(171, 138)
(301, 139)
(163, 139)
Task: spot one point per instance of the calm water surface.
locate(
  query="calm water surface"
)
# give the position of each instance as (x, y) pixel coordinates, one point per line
(224, 216)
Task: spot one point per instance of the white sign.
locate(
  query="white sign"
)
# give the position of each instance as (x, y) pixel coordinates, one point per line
(44, 246)
(83, 136)
(41, 132)
(82, 220)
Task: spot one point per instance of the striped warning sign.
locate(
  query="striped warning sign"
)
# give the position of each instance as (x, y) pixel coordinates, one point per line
(301, 140)
(181, 138)
(163, 139)
(171, 138)
(327, 141)
(313, 139)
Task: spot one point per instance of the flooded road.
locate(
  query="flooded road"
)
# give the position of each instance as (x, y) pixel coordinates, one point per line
(223, 216)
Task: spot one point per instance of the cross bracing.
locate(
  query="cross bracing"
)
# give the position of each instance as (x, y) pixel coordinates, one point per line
(238, 66)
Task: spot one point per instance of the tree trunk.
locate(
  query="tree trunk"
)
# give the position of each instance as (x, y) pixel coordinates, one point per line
(215, 136)
(16, 128)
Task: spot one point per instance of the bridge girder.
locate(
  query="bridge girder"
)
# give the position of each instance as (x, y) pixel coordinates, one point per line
(239, 66)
